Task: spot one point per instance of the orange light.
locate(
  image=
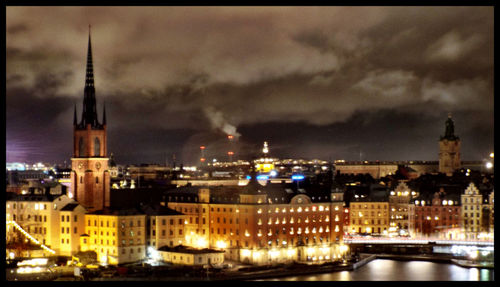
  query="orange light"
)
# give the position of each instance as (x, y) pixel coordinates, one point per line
(202, 147)
(230, 137)
(202, 159)
(230, 153)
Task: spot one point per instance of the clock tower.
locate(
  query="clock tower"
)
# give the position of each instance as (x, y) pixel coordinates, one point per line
(449, 149)
(90, 180)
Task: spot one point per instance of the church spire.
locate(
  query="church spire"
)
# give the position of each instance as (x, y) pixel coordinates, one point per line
(449, 133)
(89, 113)
(89, 77)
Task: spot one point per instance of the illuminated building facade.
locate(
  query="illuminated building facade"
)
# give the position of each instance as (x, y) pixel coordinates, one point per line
(35, 217)
(491, 206)
(401, 211)
(72, 225)
(265, 164)
(438, 217)
(263, 224)
(90, 180)
(117, 236)
(183, 255)
(472, 209)
(165, 227)
(369, 217)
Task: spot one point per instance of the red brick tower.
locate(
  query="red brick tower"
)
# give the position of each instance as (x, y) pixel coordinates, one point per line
(90, 181)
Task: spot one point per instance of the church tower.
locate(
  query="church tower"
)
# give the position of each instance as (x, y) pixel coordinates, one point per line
(90, 180)
(449, 149)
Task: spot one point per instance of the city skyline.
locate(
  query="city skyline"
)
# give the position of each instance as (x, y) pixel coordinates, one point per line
(373, 83)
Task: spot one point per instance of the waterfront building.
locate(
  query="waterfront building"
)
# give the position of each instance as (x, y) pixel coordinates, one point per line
(263, 224)
(402, 211)
(439, 216)
(164, 226)
(117, 236)
(35, 218)
(472, 202)
(71, 222)
(184, 255)
(491, 206)
(369, 214)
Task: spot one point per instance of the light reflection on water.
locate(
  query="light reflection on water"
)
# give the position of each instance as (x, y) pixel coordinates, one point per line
(391, 270)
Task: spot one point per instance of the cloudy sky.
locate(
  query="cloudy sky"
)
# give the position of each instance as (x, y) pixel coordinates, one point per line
(370, 83)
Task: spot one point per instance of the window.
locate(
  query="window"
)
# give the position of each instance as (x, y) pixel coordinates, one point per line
(96, 179)
(163, 222)
(171, 222)
(81, 150)
(62, 229)
(75, 230)
(97, 147)
(180, 231)
(76, 218)
(62, 218)
(67, 218)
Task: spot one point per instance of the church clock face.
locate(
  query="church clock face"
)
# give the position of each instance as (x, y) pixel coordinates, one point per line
(98, 165)
(80, 165)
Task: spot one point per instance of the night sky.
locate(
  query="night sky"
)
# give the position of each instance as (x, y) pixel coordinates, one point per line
(374, 83)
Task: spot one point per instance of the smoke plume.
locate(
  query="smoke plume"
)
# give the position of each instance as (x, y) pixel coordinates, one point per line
(218, 122)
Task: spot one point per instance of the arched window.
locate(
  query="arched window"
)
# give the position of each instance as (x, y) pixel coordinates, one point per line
(81, 179)
(96, 179)
(81, 148)
(97, 147)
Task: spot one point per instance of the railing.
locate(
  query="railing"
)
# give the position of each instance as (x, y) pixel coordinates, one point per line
(388, 240)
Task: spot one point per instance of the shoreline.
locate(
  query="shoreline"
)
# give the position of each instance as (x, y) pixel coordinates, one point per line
(302, 270)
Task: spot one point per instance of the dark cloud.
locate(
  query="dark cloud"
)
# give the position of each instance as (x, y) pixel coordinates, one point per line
(314, 81)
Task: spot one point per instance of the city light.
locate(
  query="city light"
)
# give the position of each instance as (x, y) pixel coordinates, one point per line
(298, 177)
(221, 244)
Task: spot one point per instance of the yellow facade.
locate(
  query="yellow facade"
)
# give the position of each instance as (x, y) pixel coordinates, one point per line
(369, 217)
(72, 225)
(471, 212)
(38, 217)
(167, 230)
(115, 238)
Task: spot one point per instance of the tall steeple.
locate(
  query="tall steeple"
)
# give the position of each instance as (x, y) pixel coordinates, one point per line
(89, 113)
(90, 179)
(449, 133)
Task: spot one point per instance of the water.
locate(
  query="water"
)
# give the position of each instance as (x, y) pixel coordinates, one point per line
(391, 270)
